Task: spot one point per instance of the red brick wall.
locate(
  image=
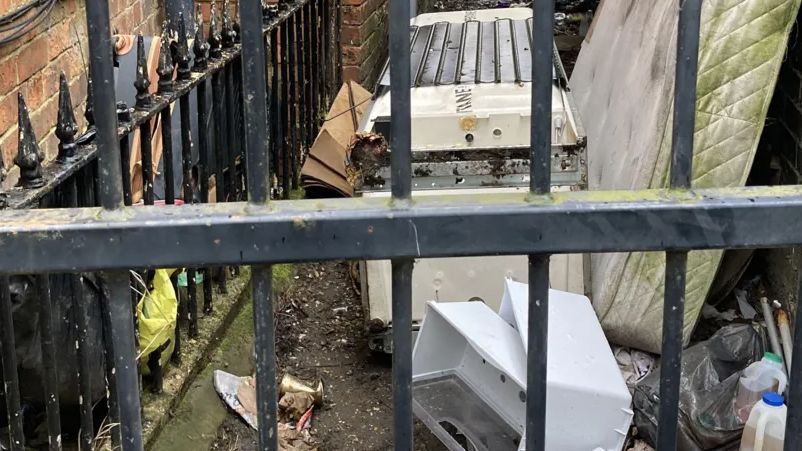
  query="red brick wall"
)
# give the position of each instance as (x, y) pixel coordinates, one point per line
(31, 65)
(364, 39)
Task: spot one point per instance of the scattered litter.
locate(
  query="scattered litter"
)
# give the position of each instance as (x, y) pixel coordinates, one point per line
(228, 387)
(295, 407)
(747, 311)
(709, 380)
(710, 312)
(634, 365)
(340, 310)
(759, 378)
(290, 439)
(291, 384)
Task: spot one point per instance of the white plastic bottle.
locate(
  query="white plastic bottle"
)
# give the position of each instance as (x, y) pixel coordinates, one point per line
(765, 429)
(761, 377)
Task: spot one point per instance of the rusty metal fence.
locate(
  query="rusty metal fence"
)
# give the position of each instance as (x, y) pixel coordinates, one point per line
(261, 232)
(201, 77)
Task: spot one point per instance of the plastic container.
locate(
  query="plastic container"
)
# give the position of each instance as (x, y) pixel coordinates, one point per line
(765, 429)
(759, 378)
(469, 376)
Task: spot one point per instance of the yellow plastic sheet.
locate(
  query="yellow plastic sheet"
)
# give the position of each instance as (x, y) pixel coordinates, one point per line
(157, 312)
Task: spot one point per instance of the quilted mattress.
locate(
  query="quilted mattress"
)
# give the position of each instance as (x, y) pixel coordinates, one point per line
(623, 84)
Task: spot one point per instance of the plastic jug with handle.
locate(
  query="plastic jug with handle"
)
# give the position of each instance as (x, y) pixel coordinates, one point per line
(765, 429)
(761, 377)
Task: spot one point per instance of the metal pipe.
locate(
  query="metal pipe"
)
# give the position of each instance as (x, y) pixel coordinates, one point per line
(49, 365)
(785, 335)
(10, 376)
(537, 352)
(671, 355)
(771, 327)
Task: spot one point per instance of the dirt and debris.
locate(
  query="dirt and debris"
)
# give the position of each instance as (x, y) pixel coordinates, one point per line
(321, 335)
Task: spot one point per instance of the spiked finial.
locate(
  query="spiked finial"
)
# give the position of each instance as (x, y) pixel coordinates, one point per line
(66, 126)
(142, 83)
(29, 157)
(165, 69)
(184, 70)
(200, 47)
(229, 35)
(214, 36)
(89, 112)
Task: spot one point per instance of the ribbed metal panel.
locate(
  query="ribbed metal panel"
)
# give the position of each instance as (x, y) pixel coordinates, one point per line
(471, 52)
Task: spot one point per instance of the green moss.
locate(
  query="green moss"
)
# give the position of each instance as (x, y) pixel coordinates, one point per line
(282, 277)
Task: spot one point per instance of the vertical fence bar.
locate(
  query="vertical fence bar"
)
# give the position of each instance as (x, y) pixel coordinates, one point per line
(325, 52)
(309, 76)
(292, 45)
(167, 155)
(125, 159)
(186, 163)
(218, 99)
(231, 128)
(685, 93)
(147, 162)
(86, 354)
(275, 102)
(10, 376)
(402, 353)
(401, 186)
(303, 73)
(314, 68)
(539, 184)
(793, 433)
(258, 167)
(338, 44)
(670, 366)
(122, 346)
(286, 104)
(49, 366)
(204, 163)
(677, 262)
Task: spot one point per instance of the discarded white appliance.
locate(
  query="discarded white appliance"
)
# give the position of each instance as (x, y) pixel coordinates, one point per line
(471, 108)
(469, 376)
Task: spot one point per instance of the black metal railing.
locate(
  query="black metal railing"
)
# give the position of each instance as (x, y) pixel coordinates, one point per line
(210, 73)
(262, 232)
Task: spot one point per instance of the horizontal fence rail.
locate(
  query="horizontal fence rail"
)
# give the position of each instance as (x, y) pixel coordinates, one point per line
(262, 232)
